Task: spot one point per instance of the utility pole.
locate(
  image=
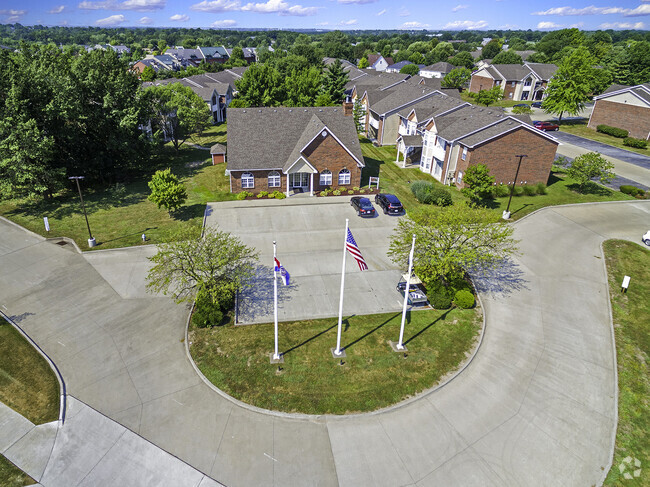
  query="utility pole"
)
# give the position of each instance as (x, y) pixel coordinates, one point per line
(91, 240)
(506, 214)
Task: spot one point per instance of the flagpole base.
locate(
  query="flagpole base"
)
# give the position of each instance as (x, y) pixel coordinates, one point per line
(396, 348)
(279, 360)
(340, 355)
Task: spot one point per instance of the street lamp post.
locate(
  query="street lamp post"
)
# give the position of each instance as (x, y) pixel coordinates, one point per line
(91, 240)
(506, 213)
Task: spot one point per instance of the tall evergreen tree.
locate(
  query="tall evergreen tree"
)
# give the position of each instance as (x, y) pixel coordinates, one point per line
(335, 80)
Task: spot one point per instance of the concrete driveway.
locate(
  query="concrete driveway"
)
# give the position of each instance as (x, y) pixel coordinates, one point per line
(309, 233)
(536, 406)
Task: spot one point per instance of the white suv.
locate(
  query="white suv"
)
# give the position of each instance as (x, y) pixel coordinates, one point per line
(646, 238)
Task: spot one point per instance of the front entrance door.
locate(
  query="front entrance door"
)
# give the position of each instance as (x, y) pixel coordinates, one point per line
(299, 180)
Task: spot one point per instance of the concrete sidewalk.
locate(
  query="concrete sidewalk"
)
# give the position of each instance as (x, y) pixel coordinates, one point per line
(90, 449)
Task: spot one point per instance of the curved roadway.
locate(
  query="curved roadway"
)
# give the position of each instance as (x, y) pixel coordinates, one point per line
(535, 407)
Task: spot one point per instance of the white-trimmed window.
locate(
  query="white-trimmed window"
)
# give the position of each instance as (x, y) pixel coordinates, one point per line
(463, 156)
(344, 176)
(247, 180)
(459, 179)
(274, 179)
(326, 178)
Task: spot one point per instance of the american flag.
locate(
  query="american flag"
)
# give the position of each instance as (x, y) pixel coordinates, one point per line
(352, 247)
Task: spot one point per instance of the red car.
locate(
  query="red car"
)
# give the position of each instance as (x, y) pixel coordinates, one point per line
(546, 126)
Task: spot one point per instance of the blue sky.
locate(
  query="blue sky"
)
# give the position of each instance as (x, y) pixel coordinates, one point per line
(333, 14)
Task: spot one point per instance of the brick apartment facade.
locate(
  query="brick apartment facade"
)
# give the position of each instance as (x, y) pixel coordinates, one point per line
(625, 108)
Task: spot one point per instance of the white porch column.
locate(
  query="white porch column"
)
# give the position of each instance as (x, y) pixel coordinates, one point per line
(404, 161)
(399, 147)
(311, 184)
(287, 185)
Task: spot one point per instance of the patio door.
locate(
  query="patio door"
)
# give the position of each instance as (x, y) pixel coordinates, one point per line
(299, 179)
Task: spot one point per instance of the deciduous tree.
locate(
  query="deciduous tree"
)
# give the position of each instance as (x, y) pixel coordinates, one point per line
(166, 190)
(590, 166)
(457, 78)
(451, 240)
(218, 262)
(487, 97)
(478, 182)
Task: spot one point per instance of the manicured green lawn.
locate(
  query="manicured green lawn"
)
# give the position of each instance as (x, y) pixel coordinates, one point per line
(119, 218)
(236, 359)
(27, 383)
(12, 476)
(580, 129)
(631, 315)
(501, 103)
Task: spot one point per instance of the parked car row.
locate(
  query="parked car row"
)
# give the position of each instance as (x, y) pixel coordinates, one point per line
(389, 203)
(535, 104)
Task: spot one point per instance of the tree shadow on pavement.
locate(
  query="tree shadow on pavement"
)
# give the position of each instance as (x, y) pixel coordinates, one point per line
(504, 278)
(256, 301)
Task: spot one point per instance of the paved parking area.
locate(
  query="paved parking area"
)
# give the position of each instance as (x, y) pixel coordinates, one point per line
(309, 233)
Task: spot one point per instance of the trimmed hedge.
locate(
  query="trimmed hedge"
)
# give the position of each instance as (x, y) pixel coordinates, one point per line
(631, 190)
(636, 143)
(464, 299)
(613, 131)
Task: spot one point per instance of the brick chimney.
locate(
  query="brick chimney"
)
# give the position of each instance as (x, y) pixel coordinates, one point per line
(347, 106)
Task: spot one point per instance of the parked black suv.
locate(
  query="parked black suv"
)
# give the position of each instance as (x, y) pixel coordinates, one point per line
(389, 203)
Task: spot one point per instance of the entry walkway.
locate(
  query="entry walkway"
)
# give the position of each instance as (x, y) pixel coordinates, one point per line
(536, 406)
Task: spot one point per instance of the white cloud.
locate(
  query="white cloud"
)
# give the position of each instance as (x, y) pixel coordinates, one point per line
(300, 11)
(591, 10)
(139, 5)
(216, 6)
(459, 7)
(465, 25)
(13, 12)
(381, 12)
(548, 25)
(142, 5)
(223, 23)
(145, 21)
(403, 12)
(360, 2)
(413, 25)
(623, 25)
(280, 7)
(179, 18)
(56, 10)
(110, 21)
(348, 22)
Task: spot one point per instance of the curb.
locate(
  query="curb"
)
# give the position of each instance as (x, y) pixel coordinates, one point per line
(55, 369)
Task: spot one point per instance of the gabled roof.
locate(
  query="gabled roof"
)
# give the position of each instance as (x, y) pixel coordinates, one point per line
(502, 127)
(510, 72)
(525, 54)
(441, 67)
(641, 91)
(267, 138)
(214, 52)
(411, 140)
(185, 54)
(467, 119)
(373, 58)
(430, 107)
(398, 97)
(544, 71)
(399, 65)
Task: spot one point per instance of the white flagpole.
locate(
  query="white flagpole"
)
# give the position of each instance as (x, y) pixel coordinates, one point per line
(400, 345)
(276, 355)
(338, 332)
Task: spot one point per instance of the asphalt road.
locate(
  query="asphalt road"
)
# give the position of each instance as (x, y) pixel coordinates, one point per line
(606, 150)
(535, 407)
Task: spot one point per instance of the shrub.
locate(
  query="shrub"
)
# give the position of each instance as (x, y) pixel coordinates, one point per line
(459, 284)
(350, 191)
(356, 188)
(518, 191)
(464, 299)
(324, 192)
(501, 190)
(540, 188)
(636, 143)
(440, 197)
(529, 190)
(362, 191)
(421, 190)
(613, 131)
(439, 295)
(207, 312)
(278, 195)
(336, 192)
(631, 190)
(243, 195)
(262, 194)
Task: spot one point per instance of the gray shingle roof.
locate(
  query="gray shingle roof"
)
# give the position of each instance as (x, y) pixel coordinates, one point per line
(412, 140)
(218, 149)
(399, 65)
(492, 131)
(267, 138)
(399, 96)
(512, 72)
(430, 107)
(465, 120)
(441, 67)
(642, 93)
(544, 71)
(616, 87)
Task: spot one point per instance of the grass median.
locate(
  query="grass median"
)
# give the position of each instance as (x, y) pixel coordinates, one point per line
(630, 312)
(236, 360)
(12, 476)
(27, 383)
(580, 128)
